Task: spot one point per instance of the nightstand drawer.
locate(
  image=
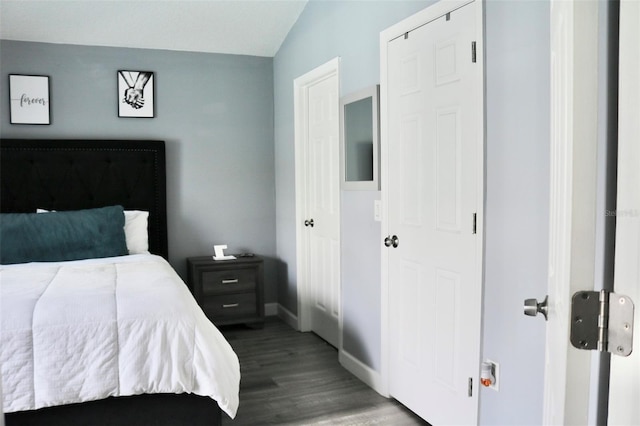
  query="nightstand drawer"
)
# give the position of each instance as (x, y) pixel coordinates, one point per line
(229, 291)
(230, 305)
(232, 281)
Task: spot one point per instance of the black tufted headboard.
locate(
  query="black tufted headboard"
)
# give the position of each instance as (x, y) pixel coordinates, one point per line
(78, 174)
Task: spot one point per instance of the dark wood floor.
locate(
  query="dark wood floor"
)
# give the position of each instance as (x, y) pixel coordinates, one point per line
(292, 378)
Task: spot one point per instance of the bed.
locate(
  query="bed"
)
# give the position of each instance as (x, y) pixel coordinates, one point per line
(97, 182)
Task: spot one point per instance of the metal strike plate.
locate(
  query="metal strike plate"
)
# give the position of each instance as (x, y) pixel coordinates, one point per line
(602, 321)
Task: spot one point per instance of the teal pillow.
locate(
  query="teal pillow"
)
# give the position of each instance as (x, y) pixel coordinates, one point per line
(64, 235)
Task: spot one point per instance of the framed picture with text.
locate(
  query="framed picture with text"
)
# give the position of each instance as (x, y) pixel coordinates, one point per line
(136, 94)
(29, 99)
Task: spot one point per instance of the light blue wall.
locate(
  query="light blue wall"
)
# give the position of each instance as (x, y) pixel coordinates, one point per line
(325, 30)
(215, 113)
(517, 206)
(517, 162)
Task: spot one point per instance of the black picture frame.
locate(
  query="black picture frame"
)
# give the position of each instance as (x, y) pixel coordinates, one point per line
(136, 94)
(29, 99)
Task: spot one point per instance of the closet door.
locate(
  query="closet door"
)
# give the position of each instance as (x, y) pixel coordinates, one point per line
(318, 201)
(434, 192)
(323, 189)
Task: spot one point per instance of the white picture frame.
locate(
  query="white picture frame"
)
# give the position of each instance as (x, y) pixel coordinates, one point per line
(29, 99)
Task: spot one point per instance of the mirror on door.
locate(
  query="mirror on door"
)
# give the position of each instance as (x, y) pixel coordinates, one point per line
(360, 140)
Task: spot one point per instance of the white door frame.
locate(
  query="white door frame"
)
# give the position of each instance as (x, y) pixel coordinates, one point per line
(572, 219)
(300, 92)
(624, 385)
(421, 18)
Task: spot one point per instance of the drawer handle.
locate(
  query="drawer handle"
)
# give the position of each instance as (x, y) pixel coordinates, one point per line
(233, 281)
(231, 305)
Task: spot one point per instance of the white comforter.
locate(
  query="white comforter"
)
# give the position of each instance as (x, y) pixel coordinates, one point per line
(85, 330)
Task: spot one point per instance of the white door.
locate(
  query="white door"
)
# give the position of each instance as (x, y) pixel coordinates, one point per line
(624, 388)
(433, 197)
(318, 201)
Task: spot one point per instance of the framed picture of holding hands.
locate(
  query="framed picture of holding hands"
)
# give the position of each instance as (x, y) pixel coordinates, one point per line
(136, 94)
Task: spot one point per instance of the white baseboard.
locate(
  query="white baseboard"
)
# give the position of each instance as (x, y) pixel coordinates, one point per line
(356, 367)
(363, 372)
(287, 316)
(270, 309)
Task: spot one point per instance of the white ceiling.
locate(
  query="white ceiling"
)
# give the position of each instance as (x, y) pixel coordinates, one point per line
(243, 27)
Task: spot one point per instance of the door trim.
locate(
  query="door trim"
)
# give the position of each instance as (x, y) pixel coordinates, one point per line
(300, 93)
(419, 19)
(624, 386)
(572, 223)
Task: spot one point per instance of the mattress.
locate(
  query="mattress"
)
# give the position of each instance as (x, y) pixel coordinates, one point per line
(85, 330)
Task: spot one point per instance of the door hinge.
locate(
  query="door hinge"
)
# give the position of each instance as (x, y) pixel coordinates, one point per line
(475, 223)
(603, 321)
(470, 387)
(473, 51)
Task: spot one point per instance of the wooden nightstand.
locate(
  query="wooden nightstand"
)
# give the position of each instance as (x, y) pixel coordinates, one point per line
(229, 291)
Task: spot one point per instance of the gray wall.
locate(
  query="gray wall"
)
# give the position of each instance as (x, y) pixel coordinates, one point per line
(215, 113)
(517, 158)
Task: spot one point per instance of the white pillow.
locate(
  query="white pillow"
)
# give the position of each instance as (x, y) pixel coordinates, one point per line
(135, 230)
